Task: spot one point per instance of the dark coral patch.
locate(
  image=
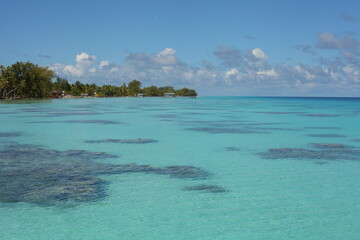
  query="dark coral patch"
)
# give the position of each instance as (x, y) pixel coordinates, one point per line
(226, 130)
(327, 135)
(277, 153)
(131, 141)
(33, 174)
(206, 188)
(322, 128)
(319, 115)
(80, 121)
(12, 154)
(246, 125)
(237, 122)
(166, 116)
(326, 152)
(232, 149)
(59, 114)
(155, 109)
(10, 134)
(274, 129)
(241, 128)
(195, 113)
(183, 172)
(321, 163)
(280, 113)
(329, 145)
(49, 177)
(93, 121)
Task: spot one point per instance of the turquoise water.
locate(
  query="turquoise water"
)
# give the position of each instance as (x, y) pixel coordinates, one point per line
(263, 168)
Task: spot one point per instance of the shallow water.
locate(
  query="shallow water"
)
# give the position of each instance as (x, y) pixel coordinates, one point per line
(178, 168)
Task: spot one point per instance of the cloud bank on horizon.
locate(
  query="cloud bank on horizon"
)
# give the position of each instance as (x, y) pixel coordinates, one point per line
(236, 71)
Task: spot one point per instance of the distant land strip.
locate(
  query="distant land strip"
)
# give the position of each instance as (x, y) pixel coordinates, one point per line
(25, 80)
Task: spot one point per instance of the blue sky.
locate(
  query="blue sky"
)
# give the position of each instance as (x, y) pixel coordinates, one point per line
(261, 48)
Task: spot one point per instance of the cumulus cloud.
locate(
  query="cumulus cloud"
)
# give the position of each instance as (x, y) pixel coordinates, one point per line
(163, 68)
(83, 63)
(267, 73)
(85, 58)
(167, 51)
(348, 18)
(232, 76)
(232, 57)
(255, 56)
(238, 70)
(153, 61)
(305, 73)
(328, 40)
(352, 72)
(258, 53)
(104, 64)
(245, 67)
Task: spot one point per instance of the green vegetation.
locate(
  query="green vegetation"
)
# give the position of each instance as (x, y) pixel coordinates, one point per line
(27, 80)
(186, 92)
(134, 87)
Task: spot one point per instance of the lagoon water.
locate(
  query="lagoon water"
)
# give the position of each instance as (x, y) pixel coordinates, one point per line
(241, 168)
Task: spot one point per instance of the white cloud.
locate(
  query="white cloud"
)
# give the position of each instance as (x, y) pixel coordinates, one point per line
(73, 70)
(352, 72)
(231, 72)
(85, 58)
(232, 76)
(166, 52)
(304, 72)
(235, 71)
(268, 73)
(83, 63)
(104, 64)
(258, 53)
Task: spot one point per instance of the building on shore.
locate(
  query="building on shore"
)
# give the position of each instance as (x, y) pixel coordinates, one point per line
(169, 94)
(57, 94)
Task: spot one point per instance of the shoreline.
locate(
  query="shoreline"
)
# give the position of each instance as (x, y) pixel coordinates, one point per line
(82, 97)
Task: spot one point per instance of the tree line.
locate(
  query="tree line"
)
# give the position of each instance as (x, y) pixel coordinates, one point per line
(27, 80)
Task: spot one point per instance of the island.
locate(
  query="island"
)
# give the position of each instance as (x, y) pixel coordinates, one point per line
(26, 80)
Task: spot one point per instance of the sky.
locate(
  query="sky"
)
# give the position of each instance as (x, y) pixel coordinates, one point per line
(219, 48)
